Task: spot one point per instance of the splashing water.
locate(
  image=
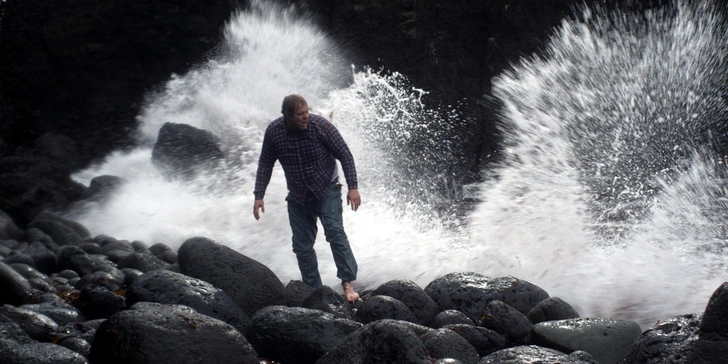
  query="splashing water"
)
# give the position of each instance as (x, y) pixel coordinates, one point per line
(609, 195)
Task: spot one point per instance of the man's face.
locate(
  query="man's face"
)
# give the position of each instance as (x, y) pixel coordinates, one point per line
(299, 119)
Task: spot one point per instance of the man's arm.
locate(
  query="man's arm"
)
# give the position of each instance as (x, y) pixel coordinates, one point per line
(267, 160)
(337, 146)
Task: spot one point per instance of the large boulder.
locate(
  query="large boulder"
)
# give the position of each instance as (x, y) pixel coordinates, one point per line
(183, 150)
(445, 343)
(607, 340)
(163, 286)
(536, 354)
(249, 283)
(41, 353)
(666, 341)
(384, 307)
(159, 333)
(383, 341)
(37, 325)
(11, 334)
(471, 292)
(14, 288)
(326, 299)
(413, 296)
(297, 335)
(552, 308)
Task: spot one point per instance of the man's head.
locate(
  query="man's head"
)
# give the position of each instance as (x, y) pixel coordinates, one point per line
(295, 111)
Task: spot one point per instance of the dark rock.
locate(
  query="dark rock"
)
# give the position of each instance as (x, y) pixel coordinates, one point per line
(19, 258)
(297, 335)
(384, 341)
(37, 325)
(413, 296)
(182, 150)
(11, 334)
(8, 229)
(142, 261)
(715, 317)
(158, 333)
(297, 292)
(100, 279)
(607, 340)
(68, 273)
(485, 341)
(384, 307)
(32, 235)
(14, 288)
(4, 251)
(76, 344)
(27, 271)
(61, 313)
(102, 187)
(73, 258)
(131, 275)
(42, 285)
(506, 320)
(550, 309)
(140, 247)
(451, 317)
(83, 330)
(174, 288)
(251, 284)
(45, 260)
(114, 244)
(445, 343)
(535, 354)
(663, 341)
(164, 253)
(63, 231)
(98, 302)
(471, 292)
(47, 297)
(41, 353)
(90, 248)
(328, 300)
(57, 147)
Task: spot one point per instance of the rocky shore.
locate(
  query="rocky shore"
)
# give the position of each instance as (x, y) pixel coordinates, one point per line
(70, 297)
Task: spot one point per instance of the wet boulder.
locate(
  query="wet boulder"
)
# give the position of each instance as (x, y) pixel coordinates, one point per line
(182, 150)
(144, 262)
(297, 292)
(11, 334)
(159, 333)
(666, 341)
(297, 335)
(384, 307)
(249, 283)
(383, 341)
(485, 341)
(445, 343)
(451, 317)
(102, 187)
(552, 308)
(14, 288)
(326, 299)
(536, 354)
(8, 229)
(413, 296)
(77, 345)
(607, 340)
(174, 288)
(97, 302)
(38, 326)
(164, 253)
(45, 260)
(41, 353)
(60, 312)
(506, 321)
(63, 231)
(471, 292)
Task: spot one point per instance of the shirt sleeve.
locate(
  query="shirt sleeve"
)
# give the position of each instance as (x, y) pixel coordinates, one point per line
(337, 146)
(268, 157)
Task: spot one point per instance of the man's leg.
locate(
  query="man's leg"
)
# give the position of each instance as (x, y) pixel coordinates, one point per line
(303, 226)
(330, 210)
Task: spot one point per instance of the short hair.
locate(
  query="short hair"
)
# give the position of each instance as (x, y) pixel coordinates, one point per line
(290, 103)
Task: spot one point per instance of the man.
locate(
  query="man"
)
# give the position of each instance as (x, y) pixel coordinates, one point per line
(307, 147)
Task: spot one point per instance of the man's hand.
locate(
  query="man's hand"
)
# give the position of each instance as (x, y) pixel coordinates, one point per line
(259, 205)
(353, 198)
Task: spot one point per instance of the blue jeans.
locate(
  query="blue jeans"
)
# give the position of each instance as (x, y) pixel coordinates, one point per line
(303, 224)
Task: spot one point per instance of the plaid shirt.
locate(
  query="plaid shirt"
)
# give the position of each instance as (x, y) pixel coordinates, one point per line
(307, 157)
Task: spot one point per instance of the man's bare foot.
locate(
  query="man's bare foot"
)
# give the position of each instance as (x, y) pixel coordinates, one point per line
(349, 293)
